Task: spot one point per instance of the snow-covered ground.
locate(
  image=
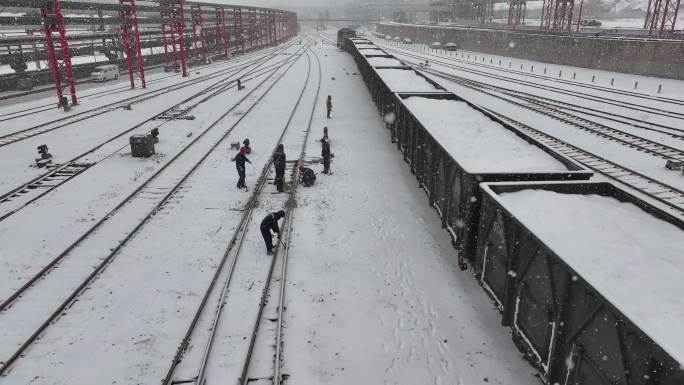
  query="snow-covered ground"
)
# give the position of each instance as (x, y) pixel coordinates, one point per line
(373, 291)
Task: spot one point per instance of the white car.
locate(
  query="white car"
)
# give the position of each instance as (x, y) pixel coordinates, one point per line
(104, 73)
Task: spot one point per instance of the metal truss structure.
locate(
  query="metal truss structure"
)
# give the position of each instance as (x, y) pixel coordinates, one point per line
(127, 30)
(661, 16)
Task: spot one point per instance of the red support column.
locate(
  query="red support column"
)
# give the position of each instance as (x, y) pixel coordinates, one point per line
(129, 19)
(50, 11)
(198, 35)
(127, 48)
(238, 30)
(516, 13)
(52, 56)
(252, 28)
(164, 42)
(661, 16)
(65, 51)
(174, 13)
(222, 37)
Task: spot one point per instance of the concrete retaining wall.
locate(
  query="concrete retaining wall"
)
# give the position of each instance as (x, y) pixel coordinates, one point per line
(661, 58)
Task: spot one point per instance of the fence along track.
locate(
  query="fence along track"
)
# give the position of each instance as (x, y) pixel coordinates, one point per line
(105, 261)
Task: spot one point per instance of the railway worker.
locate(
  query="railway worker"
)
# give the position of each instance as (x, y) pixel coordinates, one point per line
(268, 224)
(240, 160)
(279, 160)
(325, 134)
(307, 175)
(325, 154)
(328, 105)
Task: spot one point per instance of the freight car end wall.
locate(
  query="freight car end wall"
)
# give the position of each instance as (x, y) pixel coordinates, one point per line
(661, 58)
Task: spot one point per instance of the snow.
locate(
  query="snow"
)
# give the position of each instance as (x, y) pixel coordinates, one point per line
(373, 293)
(384, 62)
(405, 80)
(632, 258)
(477, 143)
(371, 51)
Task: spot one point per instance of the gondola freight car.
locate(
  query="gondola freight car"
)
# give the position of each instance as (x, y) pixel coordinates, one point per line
(452, 146)
(589, 278)
(344, 34)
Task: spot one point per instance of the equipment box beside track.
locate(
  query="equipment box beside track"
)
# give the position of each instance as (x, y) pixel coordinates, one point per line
(589, 278)
(453, 146)
(142, 146)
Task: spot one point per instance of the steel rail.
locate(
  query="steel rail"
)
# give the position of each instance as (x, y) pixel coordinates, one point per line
(235, 241)
(33, 186)
(277, 380)
(662, 192)
(9, 300)
(91, 150)
(623, 104)
(630, 140)
(564, 81)
(105, 261)
(51, 106)
(42, 128)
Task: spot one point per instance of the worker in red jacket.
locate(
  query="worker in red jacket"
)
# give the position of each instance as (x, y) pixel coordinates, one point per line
(328, 105)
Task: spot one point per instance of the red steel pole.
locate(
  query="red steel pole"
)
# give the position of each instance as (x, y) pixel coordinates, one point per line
(127, 48)
(52, 56)
(180, 24)
(164, 43)
(138, 48)
(65, 51)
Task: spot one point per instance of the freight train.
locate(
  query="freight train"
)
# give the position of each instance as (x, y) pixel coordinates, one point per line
(580, 318)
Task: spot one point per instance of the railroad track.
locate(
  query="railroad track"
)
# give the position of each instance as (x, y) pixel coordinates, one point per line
(677, 103)
(670, 196)
(630, 140)
(81, 116)
(7, 116)
(25, 194)
(151, 196)
(228, 269)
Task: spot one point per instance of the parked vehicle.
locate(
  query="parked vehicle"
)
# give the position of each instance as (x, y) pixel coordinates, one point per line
(104, 73)
(590, 23)
(451, 47)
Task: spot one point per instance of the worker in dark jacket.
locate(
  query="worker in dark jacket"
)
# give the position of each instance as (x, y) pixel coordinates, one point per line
(325, 154)
(279, 160)
(240, 160)
(328, 105)
(268, 224)
(307, 175)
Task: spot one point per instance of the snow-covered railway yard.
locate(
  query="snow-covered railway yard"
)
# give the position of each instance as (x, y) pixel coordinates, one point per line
(116, 269)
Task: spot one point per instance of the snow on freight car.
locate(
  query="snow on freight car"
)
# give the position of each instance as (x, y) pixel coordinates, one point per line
(385, 61)
(452, 146)
(589, 277)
